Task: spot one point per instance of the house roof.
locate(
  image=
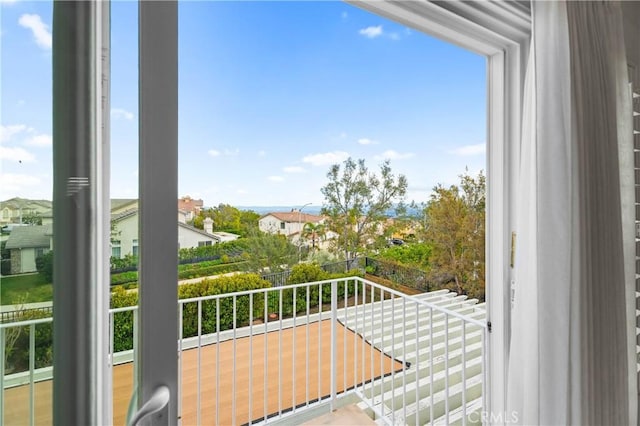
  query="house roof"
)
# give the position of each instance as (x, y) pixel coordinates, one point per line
(117, 203)
(199, 231)
(223, 234)
(295, 217)
(123, 215)
(29, 237)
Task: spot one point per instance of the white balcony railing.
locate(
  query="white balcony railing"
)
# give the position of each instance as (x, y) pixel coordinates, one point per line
(269, 354)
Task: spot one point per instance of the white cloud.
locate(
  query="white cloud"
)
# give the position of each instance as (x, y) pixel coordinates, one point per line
(40, 30)
(326, 158)
(16, 155)
(17, 182)
(367, 141)
(118, 113)
(7, 132)
(42, 140)
(262, 153)
(226, 152)
(469, 150)
(276, 178)
(8, 1)
(393, 155)
(293, 169)
(371, 32)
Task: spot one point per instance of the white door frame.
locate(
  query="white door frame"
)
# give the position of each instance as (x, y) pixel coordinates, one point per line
(501, 32)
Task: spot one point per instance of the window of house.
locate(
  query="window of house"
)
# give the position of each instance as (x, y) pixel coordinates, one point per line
(115, 249)
(282, 224)
(134, 248)
(204, 243)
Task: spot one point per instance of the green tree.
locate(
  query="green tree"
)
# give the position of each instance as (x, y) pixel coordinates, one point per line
(44, 266)
(414, 254)
(270, 252)
(456, 230)
(227, 218)
(357, 202)
(32, 218)
(313, 232)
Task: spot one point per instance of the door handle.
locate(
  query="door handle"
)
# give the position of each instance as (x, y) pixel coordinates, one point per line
(157, 402)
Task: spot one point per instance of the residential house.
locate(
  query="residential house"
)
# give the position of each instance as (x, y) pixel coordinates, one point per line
(287, 223)
(14, 209)
(26, 244)
(124, 234)
(191, 207)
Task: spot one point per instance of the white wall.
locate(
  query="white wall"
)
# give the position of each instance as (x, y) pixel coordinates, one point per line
(188, 238)
(271, 224)
(127, 229)
(28, 260)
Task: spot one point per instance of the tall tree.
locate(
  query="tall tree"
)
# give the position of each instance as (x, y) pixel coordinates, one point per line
(456, 230)
(357, 202)
(269, 252)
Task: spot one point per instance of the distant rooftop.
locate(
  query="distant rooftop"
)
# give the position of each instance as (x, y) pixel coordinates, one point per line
(29, 237)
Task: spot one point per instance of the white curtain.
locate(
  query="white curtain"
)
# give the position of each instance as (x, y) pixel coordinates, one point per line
(570, 355)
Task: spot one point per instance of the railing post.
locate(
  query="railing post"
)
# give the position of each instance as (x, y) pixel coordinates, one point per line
(334, 343)
(2, 355)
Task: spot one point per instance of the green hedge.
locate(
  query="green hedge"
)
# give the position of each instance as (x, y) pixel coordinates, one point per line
(123, 321)
(17, 343)
(210, 270)
(229, 248)
(304, 273)
(194, 270)
(18, 356)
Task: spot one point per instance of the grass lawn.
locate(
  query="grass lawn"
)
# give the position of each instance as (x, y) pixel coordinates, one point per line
(25, 288)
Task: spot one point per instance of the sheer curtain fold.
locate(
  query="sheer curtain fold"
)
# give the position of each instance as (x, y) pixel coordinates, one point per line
(569, 357)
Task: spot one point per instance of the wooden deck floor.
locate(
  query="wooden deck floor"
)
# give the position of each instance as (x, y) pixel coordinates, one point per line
(286, 369)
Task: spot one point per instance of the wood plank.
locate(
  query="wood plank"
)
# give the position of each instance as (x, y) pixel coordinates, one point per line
(281, 373)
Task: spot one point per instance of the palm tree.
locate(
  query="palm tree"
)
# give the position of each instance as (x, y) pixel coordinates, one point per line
(313, 232)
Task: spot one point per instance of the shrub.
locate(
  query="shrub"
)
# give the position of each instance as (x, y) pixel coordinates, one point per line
(17, 343)
(123, 321)
(44, 266)
(124, 277)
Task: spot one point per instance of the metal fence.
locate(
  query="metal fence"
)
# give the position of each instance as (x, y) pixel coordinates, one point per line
(278, 279)
(21, 314)
(409, 277)
(264, 354)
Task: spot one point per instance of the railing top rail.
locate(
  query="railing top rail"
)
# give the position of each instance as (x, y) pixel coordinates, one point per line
(123, 309)
(25, 322)
(396, 293)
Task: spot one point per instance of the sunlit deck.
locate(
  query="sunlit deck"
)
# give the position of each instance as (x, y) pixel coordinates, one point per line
(283, 375)
(401, 359)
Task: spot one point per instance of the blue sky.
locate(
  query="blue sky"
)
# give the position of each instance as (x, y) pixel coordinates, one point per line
(271, 94)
